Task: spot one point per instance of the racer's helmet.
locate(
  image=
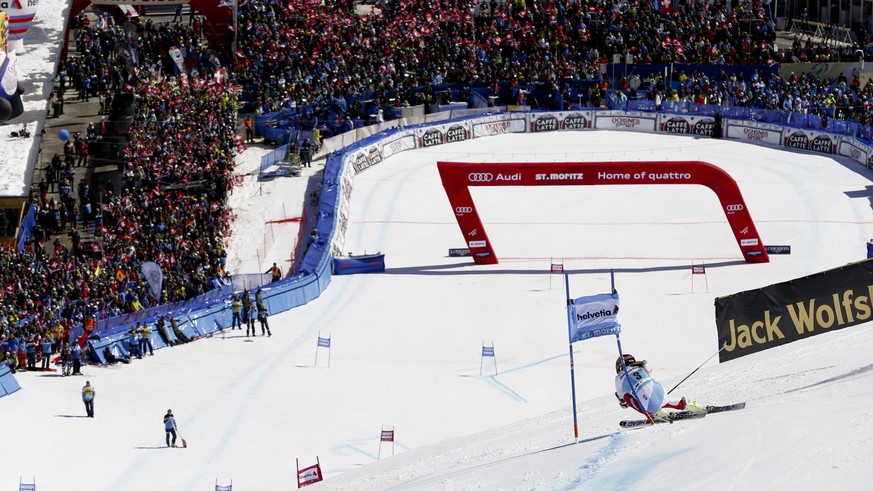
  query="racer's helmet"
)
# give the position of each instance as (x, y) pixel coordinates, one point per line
(628, 360)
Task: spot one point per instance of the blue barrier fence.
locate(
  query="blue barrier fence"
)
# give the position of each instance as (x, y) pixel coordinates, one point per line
(8, 384)
(274, 156)
(211, 312)
(784, 118)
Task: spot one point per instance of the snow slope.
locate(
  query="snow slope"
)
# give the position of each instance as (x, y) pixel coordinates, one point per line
(406, 345)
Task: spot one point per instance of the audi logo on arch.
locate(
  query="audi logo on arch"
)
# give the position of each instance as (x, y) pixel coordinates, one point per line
(481, 177)
(734, 208)
(463, 210)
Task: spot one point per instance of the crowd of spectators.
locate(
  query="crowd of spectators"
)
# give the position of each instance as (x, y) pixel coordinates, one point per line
(339, 65)
(842, 97)
(170, 209)
(293, 53)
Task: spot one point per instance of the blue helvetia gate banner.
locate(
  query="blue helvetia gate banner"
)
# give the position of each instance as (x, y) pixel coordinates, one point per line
(594, 315)
(756, 320)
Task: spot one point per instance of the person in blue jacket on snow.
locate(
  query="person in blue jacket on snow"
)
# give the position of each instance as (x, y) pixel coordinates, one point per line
(652, 395)
(46, 345)
(170, 427)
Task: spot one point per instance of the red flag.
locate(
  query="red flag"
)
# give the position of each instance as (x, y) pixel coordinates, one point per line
(309, 475)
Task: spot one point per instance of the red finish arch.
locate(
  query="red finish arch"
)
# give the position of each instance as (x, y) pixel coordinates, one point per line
(457, 178)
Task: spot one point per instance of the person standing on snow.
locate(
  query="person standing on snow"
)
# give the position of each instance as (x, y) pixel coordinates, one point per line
(133, 341)
(262, 313)
(259, 300)
(88, 394)
(246, 303)
(251, 314)
(46, 346)
(275, 273)
(250, 128)
(30, 347)
(170, 427)
(66, 360)
(236, 306)
(651, 393)
(76, 355)
(306, 153)
(145, 340)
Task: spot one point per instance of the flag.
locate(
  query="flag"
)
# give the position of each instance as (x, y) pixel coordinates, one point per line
(309, 475)
(220, 75)
(176, 56)
(593, 316)
(154, 276)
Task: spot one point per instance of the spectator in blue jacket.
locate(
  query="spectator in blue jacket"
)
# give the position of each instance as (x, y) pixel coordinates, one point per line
(46, 345)
(30, 348)
(13, 345)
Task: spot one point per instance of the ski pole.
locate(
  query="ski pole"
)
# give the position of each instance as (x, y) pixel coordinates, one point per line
(698, 368)
(632, 388)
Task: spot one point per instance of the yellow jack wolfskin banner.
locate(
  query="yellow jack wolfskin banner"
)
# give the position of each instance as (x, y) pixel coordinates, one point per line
(756, 320)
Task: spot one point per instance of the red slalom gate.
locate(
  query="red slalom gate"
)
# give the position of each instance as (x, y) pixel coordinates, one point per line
(457, 177)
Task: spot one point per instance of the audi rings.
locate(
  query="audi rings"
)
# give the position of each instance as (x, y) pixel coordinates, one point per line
(480, 177)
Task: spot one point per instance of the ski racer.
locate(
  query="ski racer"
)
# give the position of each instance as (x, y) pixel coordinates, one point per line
(651, 393)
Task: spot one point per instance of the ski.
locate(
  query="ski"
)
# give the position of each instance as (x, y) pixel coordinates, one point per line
(721, 409)
(679, 416)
